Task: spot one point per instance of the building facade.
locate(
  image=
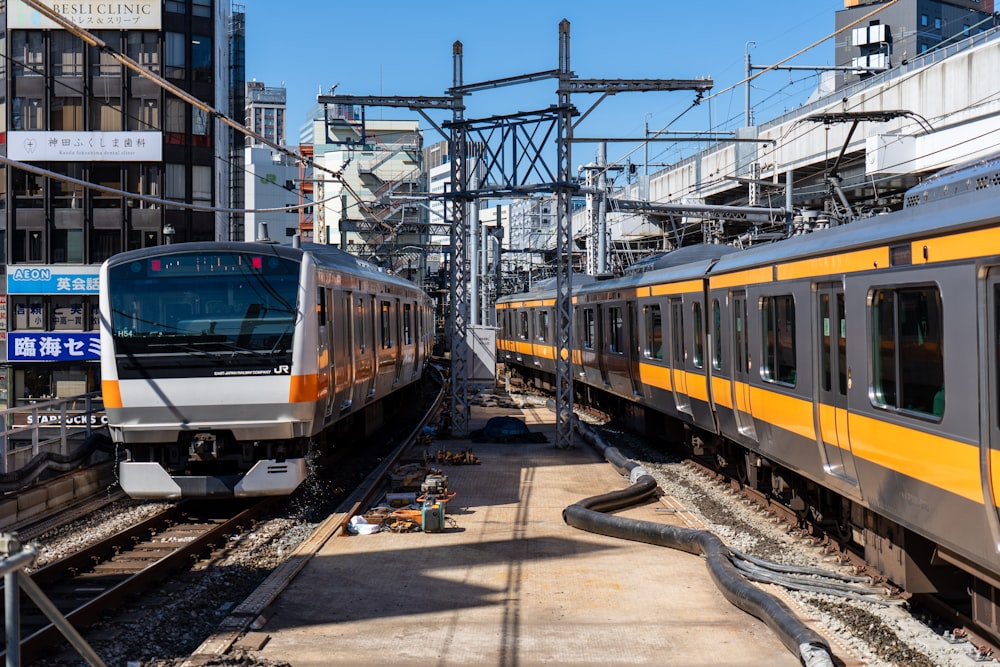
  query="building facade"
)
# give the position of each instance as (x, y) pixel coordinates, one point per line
(265, 112)
(905, 31)
(71, 114)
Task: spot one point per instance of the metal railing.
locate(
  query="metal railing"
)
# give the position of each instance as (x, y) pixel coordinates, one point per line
(56, 426)
(15, 558)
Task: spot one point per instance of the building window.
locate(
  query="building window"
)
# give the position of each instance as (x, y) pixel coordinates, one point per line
(143, 114)
(104, 243)
(907, 327)
(28, 52)
(67, 245)
(201, 185)
(175, 55)
(778, 323)
(66, 113)
(653, 349)
(67, 56)
(28, 113)
(923, 20)
(174, 125)
(68, 313)
(937, 23)
(143, 47)
(201, 58)
(29, 313)
(175, 6)
(27, 190)
(200, 135)
(175, 186)
(201, 7)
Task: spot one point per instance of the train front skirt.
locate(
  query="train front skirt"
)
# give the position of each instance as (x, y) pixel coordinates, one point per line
(267, 477)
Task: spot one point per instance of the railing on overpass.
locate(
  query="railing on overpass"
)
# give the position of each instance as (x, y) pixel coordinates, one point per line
(58, 426)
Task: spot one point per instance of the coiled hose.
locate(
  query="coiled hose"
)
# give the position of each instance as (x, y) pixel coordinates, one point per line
(589, 514)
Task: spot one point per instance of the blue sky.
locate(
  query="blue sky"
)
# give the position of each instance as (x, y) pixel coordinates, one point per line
(405, 48)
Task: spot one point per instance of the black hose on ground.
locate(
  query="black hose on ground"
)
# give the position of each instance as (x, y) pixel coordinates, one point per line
(588, 514)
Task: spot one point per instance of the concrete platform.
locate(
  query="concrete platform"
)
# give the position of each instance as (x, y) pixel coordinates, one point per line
(508, 583)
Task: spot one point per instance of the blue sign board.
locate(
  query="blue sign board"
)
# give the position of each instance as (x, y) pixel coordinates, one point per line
(53, 279)
(53, 346)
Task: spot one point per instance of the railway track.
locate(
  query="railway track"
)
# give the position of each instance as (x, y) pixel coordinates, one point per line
(102, 576)
(124, 587)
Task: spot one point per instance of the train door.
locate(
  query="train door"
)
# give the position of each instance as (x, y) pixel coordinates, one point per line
(990, 455)
(832, 379)
(742, 364)
(633, 349)
(678, 356)
(601, 347)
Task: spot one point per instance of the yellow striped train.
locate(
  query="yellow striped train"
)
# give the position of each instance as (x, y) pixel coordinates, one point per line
(854, 373)
(224, 364)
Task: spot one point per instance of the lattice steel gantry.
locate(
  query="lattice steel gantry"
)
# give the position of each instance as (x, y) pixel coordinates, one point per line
(508, 155)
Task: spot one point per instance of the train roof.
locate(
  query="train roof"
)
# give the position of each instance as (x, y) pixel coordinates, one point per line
(325, 256)
(932, 218)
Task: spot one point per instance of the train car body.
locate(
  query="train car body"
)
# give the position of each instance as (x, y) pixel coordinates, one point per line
(223, 363)
(853, 372)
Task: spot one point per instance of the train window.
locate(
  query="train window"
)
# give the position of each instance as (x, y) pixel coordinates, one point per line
(778, 321)
(384, 324)
(677, 332)
(523, 333)
(407, 324)
(908, 373)
(653, 349)
(359, 326)
(543, 325)
(588, 328)
(616, 327)
(321, 306)
(716, 335)
(699, 345)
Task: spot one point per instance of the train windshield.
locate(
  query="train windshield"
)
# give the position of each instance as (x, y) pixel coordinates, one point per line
(235, 305)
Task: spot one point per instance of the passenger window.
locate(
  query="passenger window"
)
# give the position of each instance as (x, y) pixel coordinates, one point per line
(359, 326)
(407, 324)
(588, 328)
(699, 346)
(615, 331)
(524, 326)
(907, 326)
(716, 335)
(543, 326)
(653, 348)
(778, 323)
(321, 306)
(677, 332)
(384, 323)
